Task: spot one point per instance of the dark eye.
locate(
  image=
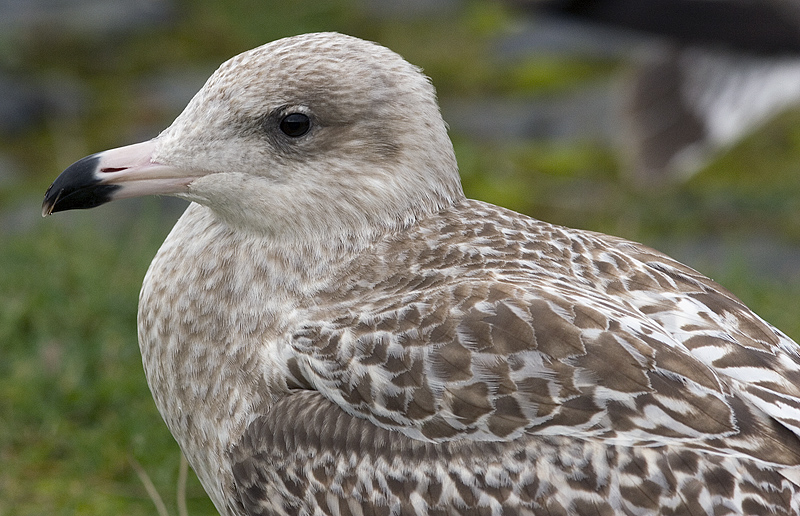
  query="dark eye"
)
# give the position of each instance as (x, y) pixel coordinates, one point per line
(295, 124)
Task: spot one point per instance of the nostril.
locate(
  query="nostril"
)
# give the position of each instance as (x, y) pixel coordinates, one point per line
(112, 169)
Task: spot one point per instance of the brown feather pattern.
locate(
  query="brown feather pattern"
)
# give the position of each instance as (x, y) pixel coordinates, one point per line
(525, 349)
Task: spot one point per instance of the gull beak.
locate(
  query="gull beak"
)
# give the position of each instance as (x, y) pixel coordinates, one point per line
(119, 173)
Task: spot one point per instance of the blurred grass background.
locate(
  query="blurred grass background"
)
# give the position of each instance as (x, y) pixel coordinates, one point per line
(74, 406)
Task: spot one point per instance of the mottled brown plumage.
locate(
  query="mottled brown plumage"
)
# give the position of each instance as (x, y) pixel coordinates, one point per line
(332, 328)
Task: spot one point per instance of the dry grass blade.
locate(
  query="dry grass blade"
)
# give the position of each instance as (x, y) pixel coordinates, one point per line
(183, 472)
(152, 492)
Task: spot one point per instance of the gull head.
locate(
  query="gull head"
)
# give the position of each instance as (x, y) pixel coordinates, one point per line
(319, 135)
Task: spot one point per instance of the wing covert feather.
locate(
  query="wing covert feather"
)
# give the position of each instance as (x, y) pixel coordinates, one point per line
(307, 457)
(524, 327)
(493, 361)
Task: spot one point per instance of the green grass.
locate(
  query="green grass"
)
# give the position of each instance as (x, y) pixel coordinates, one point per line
(74, 405)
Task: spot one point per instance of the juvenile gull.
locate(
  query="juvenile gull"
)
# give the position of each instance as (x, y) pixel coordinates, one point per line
(333, 328)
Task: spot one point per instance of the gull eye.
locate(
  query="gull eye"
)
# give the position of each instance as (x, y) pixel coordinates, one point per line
(295, 124)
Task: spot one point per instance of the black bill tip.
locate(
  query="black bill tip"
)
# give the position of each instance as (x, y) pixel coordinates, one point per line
(78, 187)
